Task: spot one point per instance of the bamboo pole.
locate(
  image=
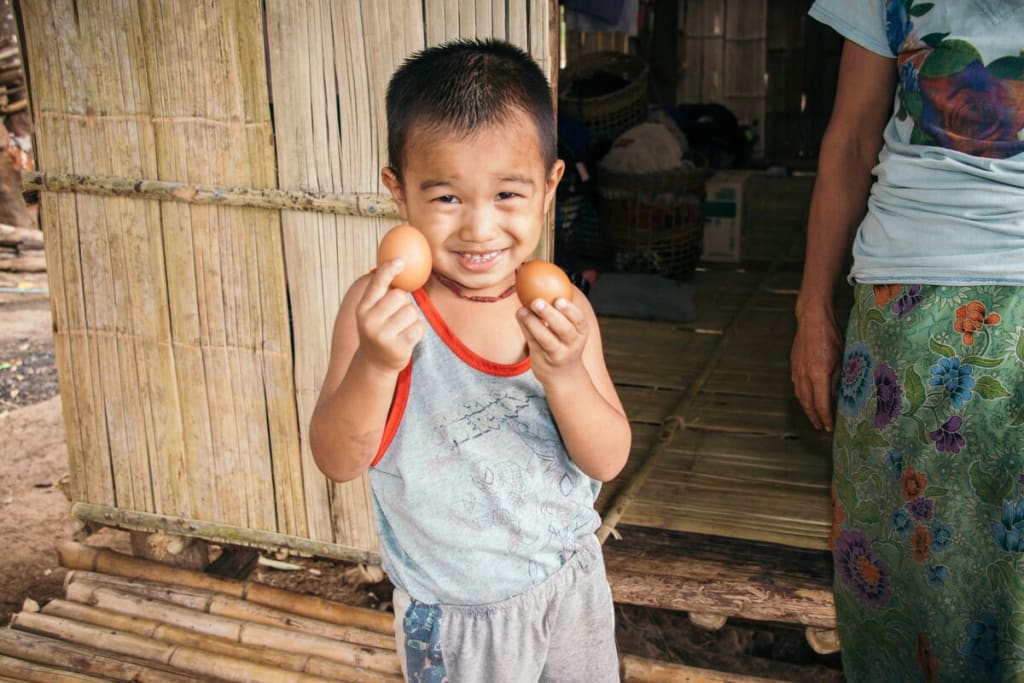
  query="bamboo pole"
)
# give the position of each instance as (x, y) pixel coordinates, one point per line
(235, 630)
(134, 520)
(23, 238)
(641, 670)
(77, 556)
(367, 205)
(47, 651)
(189, 659)
(40, 673)
(177, 635)
(227, 606)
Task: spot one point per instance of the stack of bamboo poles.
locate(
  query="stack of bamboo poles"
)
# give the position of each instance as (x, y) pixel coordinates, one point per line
(128, 619)
(21, 249)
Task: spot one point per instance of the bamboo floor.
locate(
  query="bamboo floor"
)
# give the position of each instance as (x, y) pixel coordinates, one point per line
(724, 506)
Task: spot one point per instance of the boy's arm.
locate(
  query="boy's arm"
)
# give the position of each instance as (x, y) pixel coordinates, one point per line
(374, 334)
(587, 408)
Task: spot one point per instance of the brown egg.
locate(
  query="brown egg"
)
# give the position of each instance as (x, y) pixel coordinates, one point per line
(542, 280)
(409, 244)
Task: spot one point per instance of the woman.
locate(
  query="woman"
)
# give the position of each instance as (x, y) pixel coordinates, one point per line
(928, 482)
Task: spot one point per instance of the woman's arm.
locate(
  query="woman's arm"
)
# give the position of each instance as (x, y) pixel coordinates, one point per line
(849, 150)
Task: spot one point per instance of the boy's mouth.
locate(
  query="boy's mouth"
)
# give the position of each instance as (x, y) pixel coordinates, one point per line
(480, 258)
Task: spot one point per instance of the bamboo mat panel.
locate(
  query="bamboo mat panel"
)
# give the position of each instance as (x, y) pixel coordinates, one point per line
(172, 333)
(745, 462)
(330, 132)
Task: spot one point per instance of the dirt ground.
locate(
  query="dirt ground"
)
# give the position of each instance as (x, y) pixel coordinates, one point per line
(34, 518)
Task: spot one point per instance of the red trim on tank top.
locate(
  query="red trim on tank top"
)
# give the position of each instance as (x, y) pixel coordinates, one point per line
(401, 397)
(395, 412)
(467, 355)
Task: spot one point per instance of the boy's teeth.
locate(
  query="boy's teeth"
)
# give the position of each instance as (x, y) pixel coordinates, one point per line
(479, 257)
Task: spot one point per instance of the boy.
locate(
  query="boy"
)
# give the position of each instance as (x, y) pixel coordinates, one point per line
(487, 423)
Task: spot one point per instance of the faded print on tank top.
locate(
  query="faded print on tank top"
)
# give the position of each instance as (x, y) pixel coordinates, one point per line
(476, 497)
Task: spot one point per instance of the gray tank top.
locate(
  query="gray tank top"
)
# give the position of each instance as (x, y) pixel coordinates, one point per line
(475, 496)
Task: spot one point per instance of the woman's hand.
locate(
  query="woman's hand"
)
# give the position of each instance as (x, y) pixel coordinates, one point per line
(849, 151)
(814, 359)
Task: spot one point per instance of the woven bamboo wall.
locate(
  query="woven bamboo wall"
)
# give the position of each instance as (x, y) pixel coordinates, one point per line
(192, 336)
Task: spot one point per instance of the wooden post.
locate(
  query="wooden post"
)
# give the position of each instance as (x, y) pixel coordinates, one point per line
(824, 641)
(709, 621)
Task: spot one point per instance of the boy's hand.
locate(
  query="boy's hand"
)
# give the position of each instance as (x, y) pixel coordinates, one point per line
(389, 327)
(555, 336)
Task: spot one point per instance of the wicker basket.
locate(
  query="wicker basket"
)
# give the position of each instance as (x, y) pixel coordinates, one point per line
(654, 222)
(578, 241)
(609, 115)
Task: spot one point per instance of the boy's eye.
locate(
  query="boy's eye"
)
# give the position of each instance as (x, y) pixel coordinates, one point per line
(446, 199)
(507, 195)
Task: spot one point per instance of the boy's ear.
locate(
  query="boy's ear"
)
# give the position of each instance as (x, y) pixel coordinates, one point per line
(390, 180)
(557, 169)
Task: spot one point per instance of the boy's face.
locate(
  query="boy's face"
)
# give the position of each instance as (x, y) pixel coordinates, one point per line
(480, 201)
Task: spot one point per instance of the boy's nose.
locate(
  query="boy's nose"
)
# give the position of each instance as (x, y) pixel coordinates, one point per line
(479, 225)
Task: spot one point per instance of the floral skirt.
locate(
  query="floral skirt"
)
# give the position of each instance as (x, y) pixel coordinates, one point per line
(928, 485)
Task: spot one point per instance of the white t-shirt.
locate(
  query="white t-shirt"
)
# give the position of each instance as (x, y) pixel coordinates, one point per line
(947, 206)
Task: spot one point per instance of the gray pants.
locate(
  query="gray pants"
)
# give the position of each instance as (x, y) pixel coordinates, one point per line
(560, 631)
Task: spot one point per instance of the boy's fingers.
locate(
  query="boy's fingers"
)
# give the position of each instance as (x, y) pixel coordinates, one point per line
(556, 318)
(573, 313)
(414, 332)
(380, 282)
(537, 328)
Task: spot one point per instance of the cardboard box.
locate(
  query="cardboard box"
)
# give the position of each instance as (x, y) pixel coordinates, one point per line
(723, 216)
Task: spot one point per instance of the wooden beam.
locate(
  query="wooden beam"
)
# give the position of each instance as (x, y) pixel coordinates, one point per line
(642, 670)
(715, 575)
(133, 520)
(356, 204)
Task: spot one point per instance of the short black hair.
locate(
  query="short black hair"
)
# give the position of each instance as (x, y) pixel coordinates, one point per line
(465, 84)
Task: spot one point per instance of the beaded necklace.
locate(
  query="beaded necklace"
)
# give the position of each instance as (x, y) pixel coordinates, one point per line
(457, 290)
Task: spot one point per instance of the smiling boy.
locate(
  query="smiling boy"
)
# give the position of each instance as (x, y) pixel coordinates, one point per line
(487, 423)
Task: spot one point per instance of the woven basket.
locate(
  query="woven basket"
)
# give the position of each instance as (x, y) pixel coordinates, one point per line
(654, 222)
(578, 238)
(606, 116)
